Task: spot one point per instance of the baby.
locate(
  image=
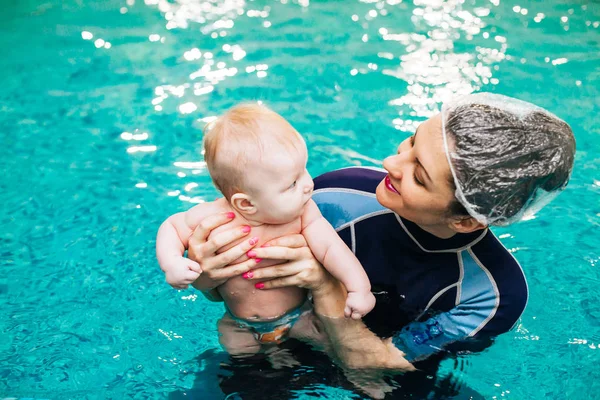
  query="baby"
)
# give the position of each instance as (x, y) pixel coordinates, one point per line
(258, 161)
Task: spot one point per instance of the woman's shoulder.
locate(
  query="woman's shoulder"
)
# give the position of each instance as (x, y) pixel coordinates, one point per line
(506, 279)
(348, 195)
(491, 252)
(364, 179)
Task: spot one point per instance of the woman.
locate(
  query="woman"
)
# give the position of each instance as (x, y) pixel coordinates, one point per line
(420, 230)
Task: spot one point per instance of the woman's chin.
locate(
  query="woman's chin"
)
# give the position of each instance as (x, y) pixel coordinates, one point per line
(388, 199)
(382, 195)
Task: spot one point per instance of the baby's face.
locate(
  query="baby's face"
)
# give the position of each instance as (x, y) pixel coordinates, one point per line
(281, 186)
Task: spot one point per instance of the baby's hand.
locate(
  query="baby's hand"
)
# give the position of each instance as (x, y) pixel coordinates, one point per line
(182, 272)
(358, 304)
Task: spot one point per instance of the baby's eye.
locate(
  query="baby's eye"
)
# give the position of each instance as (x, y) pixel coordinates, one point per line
(293, 185)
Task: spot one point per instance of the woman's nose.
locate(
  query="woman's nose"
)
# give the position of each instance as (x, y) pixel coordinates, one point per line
(393, 165)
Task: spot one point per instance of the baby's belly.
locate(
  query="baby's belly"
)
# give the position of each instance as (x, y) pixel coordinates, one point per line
(247, 302)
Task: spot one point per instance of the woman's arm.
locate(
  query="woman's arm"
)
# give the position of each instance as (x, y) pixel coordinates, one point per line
(353, 343)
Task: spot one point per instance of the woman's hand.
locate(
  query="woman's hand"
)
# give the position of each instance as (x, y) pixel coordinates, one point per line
(215, 269)
(301, 268)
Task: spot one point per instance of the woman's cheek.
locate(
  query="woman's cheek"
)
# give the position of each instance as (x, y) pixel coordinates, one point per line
(405, 188)
(408, 192)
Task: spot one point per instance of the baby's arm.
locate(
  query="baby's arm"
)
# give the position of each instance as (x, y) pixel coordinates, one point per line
(331, 251)
(171, 243)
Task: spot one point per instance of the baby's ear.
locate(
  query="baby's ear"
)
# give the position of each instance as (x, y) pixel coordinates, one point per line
(242, 203)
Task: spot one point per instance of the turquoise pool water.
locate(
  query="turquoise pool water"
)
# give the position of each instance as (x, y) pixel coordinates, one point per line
(101, 106)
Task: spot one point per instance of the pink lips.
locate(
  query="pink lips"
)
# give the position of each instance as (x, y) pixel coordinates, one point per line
(389, 186)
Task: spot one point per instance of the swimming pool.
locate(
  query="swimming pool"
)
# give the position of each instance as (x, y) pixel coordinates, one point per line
(100, 116)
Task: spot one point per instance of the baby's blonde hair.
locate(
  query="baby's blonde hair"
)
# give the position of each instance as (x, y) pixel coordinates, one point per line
(240, 137)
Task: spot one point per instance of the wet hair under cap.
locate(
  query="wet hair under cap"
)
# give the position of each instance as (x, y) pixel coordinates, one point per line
(506, 162)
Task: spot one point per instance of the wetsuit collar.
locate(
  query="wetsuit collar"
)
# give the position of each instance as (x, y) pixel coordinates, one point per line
(432, 244)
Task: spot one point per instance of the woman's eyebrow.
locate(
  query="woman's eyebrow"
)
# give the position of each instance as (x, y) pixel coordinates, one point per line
(419, 162)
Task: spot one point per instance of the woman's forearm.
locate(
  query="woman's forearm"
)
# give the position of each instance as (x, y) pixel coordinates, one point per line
(354, 344)
(330, 298)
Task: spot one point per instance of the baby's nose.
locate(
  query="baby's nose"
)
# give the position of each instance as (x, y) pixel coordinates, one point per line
(309, 187)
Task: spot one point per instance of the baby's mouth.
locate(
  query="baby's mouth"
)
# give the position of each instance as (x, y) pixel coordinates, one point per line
(389, 186)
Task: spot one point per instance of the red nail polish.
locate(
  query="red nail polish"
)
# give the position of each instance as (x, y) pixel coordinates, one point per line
(258, 260)
(253, 241)
(248, 275)
(246, 229)
(251, 254)
(230, 215)
(259, 285)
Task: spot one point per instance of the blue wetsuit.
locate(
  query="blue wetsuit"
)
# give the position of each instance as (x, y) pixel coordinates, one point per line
(445, 291)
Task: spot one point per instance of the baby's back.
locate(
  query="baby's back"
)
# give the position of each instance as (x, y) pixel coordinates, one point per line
(240, 295)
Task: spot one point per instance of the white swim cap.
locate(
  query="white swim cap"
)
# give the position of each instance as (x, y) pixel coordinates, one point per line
(508, 158)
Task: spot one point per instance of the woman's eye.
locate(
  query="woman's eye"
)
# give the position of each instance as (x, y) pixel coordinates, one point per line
(293, 185)
(412, 140)
(417, 181)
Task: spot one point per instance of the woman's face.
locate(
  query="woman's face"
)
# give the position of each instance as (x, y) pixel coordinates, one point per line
(417, 185)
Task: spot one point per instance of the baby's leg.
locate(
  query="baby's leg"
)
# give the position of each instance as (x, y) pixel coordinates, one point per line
(237, 341)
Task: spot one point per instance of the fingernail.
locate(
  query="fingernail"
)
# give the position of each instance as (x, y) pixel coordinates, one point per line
(251, 253)
(265, 245)
(258, 260)
(230, 215)
(259, 285)
(253, 241)
(246, 228)
(248, 275)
